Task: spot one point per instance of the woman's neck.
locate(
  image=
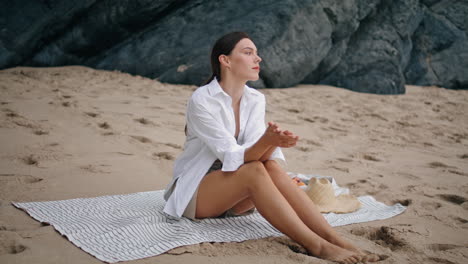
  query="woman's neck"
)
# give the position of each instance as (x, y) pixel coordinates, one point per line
(233, 87)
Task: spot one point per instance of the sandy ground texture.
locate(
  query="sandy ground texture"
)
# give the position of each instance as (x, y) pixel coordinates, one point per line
(70, 132)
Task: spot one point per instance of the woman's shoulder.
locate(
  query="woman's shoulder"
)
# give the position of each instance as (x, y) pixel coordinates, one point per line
(200, 93)
(254, 93)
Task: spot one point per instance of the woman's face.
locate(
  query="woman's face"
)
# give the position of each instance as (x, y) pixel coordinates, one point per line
(244, 60)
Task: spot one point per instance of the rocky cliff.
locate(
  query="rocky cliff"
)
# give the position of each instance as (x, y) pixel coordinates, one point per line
(372, 46)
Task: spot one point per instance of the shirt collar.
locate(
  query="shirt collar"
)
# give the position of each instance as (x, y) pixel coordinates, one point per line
(214, 88)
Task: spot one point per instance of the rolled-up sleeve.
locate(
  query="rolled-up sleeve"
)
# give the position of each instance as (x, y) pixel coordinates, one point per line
(203, 124)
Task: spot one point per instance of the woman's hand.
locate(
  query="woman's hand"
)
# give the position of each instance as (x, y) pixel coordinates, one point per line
(276, 137)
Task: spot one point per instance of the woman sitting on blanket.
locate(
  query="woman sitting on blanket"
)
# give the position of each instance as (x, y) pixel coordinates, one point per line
(228, 164)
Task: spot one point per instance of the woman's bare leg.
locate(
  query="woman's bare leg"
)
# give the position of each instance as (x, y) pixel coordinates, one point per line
(243, 206)
(253, 181)
(306, 209)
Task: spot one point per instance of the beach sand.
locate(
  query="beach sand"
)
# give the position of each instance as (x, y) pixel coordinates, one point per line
(69, 132)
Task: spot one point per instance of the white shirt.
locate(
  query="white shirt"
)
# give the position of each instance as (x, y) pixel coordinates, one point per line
(211, 128)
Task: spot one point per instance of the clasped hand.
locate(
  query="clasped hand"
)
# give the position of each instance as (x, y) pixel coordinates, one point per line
(277, 137)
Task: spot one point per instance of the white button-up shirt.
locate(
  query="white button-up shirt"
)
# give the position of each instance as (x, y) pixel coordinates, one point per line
(211, 128)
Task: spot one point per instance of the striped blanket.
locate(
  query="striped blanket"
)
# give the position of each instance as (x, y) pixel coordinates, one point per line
(133, 226)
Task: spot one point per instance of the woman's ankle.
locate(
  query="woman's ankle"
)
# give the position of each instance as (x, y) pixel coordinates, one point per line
(317, 248)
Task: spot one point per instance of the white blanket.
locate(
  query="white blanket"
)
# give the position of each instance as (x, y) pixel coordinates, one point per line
(133, 226)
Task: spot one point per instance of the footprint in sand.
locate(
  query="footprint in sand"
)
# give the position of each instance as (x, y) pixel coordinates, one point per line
(22, 178)
(40, 132)
(315, 119)
(458, 137)
(293, 110)
(452, 198)
(142, 139)
(19, 120)
(438, 164)
(163, 155)
(10, 113)
(428, 144)
(430, 206)
(340, 169)
(155, 107)
(144, 121)
(370, 157)
(439, 261)
(173, 145)
(415, 189)
(302, 148)
(91, 114)
(338, 129)
(378, 117)
(11, 243)
(459, 219)
(409, 176)
(95, 168)
(322, 120)
(404, 202)
(312, 142)
(368, 185)
(307, 119)
(104, 125)
(405, 124)
(441, 247)
(31, 160)
(385, 236)
(458, 172)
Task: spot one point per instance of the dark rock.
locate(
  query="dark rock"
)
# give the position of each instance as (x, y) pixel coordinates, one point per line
(440, 55)
(102, 28)
(27, 26)
(289, 42)
(455, 11)
(379, 50)
(345, 17)
(373, 46)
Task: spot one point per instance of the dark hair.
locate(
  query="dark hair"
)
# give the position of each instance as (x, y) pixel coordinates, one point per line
(223, 46)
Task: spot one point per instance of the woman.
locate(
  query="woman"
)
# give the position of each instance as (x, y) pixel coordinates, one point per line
(226, 130)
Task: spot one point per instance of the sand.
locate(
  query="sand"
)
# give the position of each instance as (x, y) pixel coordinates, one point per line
(69, 132)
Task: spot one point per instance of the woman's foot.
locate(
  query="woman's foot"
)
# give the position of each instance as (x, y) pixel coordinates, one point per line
(370, 257)
(366, 255)
(338, 254)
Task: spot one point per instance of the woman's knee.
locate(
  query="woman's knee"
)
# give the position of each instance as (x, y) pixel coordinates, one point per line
(253, 171)
(273, 167)
(275, 171)
(254, 167)
(271, 164)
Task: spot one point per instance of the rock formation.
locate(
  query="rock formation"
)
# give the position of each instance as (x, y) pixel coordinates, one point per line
(372, 46)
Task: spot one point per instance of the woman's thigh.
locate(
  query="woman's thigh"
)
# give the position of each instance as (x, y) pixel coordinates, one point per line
(219, 191)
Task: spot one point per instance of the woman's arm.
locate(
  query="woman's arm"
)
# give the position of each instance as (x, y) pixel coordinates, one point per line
(267, 154)
(257, 150)
(272, 138)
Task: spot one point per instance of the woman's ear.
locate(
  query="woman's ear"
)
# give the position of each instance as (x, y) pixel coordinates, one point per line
(224, 61)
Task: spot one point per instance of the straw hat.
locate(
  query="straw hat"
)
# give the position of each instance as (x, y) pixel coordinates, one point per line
(321, 192)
